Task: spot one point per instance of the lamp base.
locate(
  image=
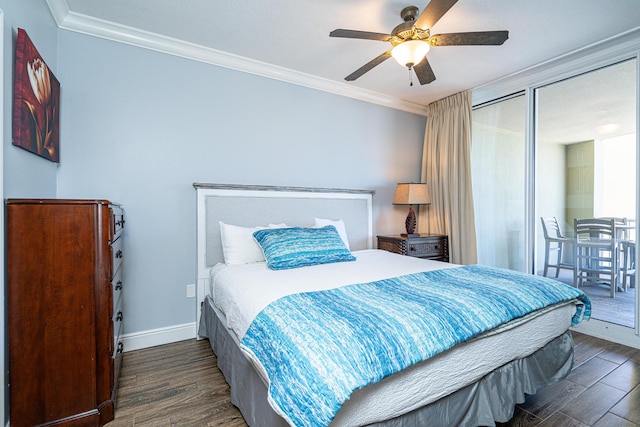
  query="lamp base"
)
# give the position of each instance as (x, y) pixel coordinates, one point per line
(410, 222)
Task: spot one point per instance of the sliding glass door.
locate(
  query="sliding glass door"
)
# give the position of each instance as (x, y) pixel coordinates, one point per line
(586, 169)
(498, 176)
(553, 154)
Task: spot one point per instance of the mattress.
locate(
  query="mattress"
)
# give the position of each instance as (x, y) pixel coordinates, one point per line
(239, 293)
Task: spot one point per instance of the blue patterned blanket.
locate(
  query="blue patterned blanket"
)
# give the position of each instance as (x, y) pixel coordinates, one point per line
(318, 347)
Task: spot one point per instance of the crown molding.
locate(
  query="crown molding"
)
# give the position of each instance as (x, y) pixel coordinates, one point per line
(600, 54)
(84, 24)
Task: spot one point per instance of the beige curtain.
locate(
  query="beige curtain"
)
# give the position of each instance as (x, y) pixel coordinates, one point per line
(446, 168)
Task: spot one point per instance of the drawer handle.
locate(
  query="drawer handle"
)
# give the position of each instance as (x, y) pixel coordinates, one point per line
(120, 348)
(119, 316)
(119, 254)
(119, 285)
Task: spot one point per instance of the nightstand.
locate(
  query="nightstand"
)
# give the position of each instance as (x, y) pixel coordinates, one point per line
(430, 246)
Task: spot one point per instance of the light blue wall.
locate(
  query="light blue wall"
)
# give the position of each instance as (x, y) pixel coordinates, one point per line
(25, 174)
(139, 127)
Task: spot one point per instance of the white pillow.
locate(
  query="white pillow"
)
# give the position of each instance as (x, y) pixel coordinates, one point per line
(338, 224)
(238, 245)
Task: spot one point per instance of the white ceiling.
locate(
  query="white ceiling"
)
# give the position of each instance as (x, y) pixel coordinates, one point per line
(289, 39)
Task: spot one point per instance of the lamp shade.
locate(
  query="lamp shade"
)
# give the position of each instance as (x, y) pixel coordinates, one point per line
(410, 53)
(412, 194)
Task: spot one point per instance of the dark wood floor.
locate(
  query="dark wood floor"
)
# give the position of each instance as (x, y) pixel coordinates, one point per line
(176, 384)
(179, 384)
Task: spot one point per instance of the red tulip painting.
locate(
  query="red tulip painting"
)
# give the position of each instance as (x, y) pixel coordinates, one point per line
(36, 102)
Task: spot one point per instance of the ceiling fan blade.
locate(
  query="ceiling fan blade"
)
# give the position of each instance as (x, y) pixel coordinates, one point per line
(433, 12)
(473, 38)
(354, 34)
(368, 66)
(424, 72)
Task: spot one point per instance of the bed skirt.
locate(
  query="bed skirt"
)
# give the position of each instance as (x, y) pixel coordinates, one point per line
(492, 398)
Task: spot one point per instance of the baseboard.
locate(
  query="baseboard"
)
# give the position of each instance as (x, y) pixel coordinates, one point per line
(154, 337)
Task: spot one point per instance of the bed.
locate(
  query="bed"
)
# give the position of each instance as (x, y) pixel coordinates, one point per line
(460, 377)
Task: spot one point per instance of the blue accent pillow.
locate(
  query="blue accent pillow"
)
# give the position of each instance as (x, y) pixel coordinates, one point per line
(295, 247)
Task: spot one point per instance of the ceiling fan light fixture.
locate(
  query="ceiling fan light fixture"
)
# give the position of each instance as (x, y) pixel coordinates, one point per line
(410, 53)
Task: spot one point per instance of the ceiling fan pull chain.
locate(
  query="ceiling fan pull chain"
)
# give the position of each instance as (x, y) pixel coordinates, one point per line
(410, 77)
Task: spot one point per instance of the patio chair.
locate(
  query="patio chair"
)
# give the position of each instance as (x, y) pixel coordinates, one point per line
(623, 225)
(596, 253)
(554, 240)
(625, 233)
(628, 264)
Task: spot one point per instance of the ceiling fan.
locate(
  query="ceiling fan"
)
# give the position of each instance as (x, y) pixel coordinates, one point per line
(411, 40)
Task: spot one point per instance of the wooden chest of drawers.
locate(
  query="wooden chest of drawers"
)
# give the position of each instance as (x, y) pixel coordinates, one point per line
(64, 268)
(430, 246)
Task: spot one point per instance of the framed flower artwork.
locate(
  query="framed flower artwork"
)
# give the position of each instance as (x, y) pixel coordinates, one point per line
(36, 102)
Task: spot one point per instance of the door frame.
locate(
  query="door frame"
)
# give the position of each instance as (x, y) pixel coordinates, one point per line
(3, 360)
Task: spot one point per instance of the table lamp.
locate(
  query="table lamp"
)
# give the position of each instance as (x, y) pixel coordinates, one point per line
(411, 194)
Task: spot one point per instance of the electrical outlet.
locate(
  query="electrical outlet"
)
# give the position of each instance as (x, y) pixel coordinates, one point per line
(191, 291)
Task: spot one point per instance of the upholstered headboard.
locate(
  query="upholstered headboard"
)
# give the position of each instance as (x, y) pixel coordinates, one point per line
(253, 205)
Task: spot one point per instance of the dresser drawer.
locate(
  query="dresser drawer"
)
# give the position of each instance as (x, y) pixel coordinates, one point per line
(117, 337)
(116, 284)
(431, 246)
(429, 249)
(117, 300)
(117, 328)
(116, 256)
(116, 222)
